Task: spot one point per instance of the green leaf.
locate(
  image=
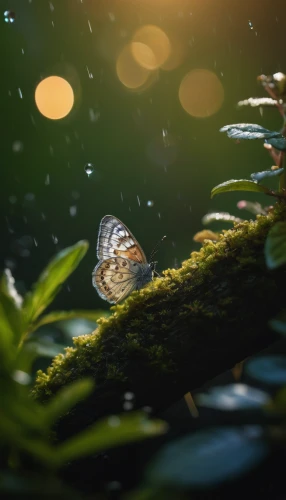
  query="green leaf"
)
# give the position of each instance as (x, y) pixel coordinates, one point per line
(109, 433)
(268, 370)
(8, 287)
(233, 397)
(249, 131)
(275, 246)
(32, 350)
(259, 176)
(10, 327)
(67, 315)
(238, 185)
(207, 458)
(48, 285)
(279, 323)
(66, 398)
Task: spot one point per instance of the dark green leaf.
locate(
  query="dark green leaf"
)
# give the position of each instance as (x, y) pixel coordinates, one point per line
(275, 246)
(208, 458)
(248, 131)
(66, 398)
(238, 185)
(48, 285)
(278, 143)
(109, 433)
(279, 323)
(270, 370)
(259, 176)
(233, 397)
(68, 315)
(218, 216)
(10, 327)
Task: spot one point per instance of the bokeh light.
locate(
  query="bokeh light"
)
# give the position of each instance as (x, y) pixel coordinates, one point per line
(144, 55)
(54, 97)
(157, 41)
(128, 71)
(201, 93)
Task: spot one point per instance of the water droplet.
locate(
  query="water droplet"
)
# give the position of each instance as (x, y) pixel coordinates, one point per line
(113, 421)
(250, 24)
(94, 115)
(73, 210)
(55, 239)
(17, 146)
(150, 203)
(138, 200)
(89, 168)
(127, 405)
(9, 16)
(129, 396)
(47, 180)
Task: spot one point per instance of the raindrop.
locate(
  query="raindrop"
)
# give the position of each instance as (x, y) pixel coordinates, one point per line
(121, 196)
(55, 239)
(129, 396)
(20, 93)
(250, 24)
(111, 16)
(150, 203)
(9, 16)
(17, 146)
(94, 115)
(89, 168)
(73, 210)
(127, 405)
(29, 197)
(138, 199)
(47, 180)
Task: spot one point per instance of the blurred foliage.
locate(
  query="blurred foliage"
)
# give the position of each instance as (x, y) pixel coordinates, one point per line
(26, 427)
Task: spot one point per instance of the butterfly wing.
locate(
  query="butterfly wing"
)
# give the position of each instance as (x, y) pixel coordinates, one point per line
(115, 278)
(115, 240)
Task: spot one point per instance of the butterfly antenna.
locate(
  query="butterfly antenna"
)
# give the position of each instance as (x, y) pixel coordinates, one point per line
(155, 249)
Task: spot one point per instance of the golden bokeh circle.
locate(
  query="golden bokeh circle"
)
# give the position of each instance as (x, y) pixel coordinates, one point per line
(201, 93)
(144, 55)
(128, 71)
(54, 97)
(157, 40)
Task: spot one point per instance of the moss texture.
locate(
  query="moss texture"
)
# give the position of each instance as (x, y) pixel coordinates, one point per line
(180, 330)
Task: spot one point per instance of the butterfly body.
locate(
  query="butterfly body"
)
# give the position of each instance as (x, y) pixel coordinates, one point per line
(122, 265)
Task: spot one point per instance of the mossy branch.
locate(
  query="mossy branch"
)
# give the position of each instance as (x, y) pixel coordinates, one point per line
(181, 330)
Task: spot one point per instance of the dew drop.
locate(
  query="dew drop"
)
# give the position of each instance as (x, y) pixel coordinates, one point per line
(89, 168)
(9, 16)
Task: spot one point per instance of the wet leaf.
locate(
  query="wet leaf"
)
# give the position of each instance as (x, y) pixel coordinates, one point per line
(270, 370)
(66, 398)
(11, 327)
(277, 143)
(259, 176)
(248, 131)
(233, 397)
(275, 246)
(238, 185)
(208, 458)
(279, 323)
(8, 287)
(51, 279)
(111, 432)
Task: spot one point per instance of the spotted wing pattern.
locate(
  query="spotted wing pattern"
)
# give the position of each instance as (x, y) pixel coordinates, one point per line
(122, 265)
(117, 277)
(115, 239)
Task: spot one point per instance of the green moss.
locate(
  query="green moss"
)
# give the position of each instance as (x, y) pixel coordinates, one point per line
(181, 329)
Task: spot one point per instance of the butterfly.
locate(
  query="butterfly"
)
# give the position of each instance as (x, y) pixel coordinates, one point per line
(122, 265)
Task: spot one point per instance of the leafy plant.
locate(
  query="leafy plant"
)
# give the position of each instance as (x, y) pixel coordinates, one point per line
(25, 425)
